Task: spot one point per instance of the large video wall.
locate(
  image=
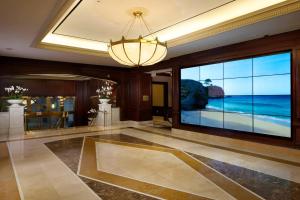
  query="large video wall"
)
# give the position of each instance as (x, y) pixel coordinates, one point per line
(252, 95)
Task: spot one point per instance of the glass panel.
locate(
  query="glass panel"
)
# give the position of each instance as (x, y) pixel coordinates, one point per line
(272, 125)
(238, 95)
(215, 104)
(238, 68)
(33, 123)
(39, 104)
(69, 104)
(54, 104)
(272, 95)
(273, 64)
(53, 121)
(235, 121)
(70, 120)
(213, 71)
(49, 112)
(190, 117)
(190, 73)
(193, 95)
(212, 119)
(238, 86)
(215, 94)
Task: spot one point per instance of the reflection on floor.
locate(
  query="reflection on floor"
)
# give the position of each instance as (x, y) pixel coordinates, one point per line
(8, 185)
(146, 163)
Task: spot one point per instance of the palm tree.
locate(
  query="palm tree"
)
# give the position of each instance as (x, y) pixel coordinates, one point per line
(208, 82)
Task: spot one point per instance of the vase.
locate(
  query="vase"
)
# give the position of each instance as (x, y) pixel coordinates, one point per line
(15, 102)
(104, 101)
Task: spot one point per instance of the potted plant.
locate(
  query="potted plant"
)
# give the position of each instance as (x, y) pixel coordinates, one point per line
(15, 94)
(105, 92)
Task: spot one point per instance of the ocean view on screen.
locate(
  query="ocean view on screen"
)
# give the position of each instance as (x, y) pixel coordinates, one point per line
(252, 95)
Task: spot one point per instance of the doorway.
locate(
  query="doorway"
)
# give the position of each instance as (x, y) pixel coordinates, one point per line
(160, 99)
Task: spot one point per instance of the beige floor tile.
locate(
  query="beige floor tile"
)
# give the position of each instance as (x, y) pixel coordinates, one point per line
(273, 168)
(39, 171)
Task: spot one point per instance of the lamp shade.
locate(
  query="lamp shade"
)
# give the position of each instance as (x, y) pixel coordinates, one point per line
(137, 52)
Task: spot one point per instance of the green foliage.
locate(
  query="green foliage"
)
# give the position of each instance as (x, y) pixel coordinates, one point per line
(207, 82)
(3, 105)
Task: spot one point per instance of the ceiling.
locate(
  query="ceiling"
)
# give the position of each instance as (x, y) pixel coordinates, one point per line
(107, 19)
(25, 23)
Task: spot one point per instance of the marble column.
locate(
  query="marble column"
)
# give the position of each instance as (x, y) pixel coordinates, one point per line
(4, 122)
(16, 119)
(115, 115)
(104, 115)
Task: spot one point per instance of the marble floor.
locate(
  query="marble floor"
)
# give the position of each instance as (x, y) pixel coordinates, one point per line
(138, 161)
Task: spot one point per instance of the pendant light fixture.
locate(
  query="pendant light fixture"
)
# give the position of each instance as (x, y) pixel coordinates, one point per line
(140, 51)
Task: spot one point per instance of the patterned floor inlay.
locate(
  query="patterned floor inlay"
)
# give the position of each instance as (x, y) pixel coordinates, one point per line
(268, 187)
(69, 152)
(8, 184)
(240, 183)
(89, 169)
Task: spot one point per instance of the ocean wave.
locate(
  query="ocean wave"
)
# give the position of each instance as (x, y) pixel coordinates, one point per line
(273, 118)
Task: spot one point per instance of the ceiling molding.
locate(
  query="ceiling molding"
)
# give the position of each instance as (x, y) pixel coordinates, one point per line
(63, 11)
(57, 47)
(251, 18)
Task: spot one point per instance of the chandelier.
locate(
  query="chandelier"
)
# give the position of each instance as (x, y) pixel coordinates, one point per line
(141, 51)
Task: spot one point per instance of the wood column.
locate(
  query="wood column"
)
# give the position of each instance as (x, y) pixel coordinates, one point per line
(176, 97)
(296, 95)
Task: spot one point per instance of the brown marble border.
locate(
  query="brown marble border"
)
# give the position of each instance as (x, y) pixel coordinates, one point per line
(297, 164)
(8, 184)
(89, 169)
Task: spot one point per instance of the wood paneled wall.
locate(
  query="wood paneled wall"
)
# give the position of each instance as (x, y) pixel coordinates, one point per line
(40, 87)
(138, 85)
(82, 102)
(270, 44)
(132, 85)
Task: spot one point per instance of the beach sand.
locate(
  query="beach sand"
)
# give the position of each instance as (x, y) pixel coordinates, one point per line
(235, 121)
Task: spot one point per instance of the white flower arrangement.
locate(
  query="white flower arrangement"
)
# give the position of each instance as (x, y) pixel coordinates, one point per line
(15, 92)
(106, 90)
(92, 111)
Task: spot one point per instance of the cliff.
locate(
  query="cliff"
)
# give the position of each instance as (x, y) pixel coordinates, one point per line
(193, 95)
(215, 92)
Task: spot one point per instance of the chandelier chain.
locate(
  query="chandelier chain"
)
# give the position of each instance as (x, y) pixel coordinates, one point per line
(126, 28)
(130, 27)
(143, 20)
